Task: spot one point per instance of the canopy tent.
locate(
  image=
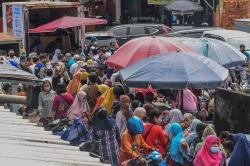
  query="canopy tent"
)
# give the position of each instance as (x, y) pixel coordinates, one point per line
(183, 6)
(219, 51)
(175, 70)
(67, 22)
(140, 48)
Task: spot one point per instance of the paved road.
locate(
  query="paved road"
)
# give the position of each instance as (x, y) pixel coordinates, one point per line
(23, 143)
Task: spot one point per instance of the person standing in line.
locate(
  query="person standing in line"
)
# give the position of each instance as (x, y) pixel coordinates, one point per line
(46, 97)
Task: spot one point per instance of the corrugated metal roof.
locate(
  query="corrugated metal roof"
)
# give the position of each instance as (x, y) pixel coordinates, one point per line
(10, 74)
(43, 4)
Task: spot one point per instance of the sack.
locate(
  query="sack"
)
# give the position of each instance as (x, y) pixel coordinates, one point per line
(57, 125)
(76, 133)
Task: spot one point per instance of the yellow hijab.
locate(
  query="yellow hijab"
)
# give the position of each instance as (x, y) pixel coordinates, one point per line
(103, 88)
(108, 101)
(83, 76)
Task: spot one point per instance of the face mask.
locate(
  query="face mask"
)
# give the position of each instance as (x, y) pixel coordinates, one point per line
(165, 119)
(215, 149)
(23, 63)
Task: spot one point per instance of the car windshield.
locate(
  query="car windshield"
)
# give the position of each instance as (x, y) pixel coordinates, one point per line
(237, 41)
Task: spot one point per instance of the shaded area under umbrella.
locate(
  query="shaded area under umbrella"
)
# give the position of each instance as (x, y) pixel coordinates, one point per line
(175, 71)
(183, 6)
(219, 51)
(140, 48)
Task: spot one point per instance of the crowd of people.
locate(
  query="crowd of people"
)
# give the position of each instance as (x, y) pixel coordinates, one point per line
(126, 122)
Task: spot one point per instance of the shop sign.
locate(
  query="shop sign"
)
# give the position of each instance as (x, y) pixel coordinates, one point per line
(17, 22)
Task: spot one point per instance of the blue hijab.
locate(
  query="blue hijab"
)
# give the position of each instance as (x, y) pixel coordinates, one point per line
(241, 152)
(176, 131)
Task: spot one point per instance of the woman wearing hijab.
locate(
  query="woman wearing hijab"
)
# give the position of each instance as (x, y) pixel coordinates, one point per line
(165, 118)
(193, 139)
(193, 133)
(132, 141)
(207, 131)
(74, 83)
(124, 114)
(178, 146)
(241, 152)
(140, 112)
(79, 108)
(210, 153)
(55, 57)
(187, 120)
(175, 115)
(106, 133)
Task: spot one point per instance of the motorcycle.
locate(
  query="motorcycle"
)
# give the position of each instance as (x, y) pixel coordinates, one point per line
(153, 159)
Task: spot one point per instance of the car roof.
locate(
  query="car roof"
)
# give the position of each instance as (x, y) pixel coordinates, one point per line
(134, 25)
(196, 29)
(100, 33)
(227, 34)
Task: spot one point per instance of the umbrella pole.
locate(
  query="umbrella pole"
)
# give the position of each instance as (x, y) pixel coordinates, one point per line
(182, 101)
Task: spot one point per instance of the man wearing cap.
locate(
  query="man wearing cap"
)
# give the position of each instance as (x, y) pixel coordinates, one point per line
(92, 45)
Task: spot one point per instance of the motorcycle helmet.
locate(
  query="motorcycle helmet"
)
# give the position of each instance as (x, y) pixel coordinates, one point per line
(135, 125)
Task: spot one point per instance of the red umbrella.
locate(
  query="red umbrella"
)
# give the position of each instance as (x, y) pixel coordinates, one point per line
(140, 48)
(67, 22)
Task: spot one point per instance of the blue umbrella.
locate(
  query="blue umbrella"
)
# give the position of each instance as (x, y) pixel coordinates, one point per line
(175, 70)
(219, 51)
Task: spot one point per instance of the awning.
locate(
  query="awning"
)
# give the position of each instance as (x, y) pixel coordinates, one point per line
(7, 38)
(67, 22)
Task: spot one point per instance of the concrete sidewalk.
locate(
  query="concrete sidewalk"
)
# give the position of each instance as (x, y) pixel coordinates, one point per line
(25, 144)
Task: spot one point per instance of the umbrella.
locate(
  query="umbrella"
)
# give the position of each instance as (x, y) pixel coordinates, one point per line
(67, 22)
(183, 6)
(140, 48)
(219, 51)
(175, 70)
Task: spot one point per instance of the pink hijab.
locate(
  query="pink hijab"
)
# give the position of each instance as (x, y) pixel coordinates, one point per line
(79, 106)
(205, 157)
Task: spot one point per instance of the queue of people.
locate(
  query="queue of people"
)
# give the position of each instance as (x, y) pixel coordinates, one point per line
(124, 121)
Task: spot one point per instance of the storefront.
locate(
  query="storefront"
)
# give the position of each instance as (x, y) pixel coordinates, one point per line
(143, 10)
(19, 17)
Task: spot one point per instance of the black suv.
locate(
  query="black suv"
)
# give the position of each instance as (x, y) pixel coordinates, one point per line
(125, 32)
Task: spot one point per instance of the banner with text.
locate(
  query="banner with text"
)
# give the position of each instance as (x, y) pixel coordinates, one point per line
(17, 22)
